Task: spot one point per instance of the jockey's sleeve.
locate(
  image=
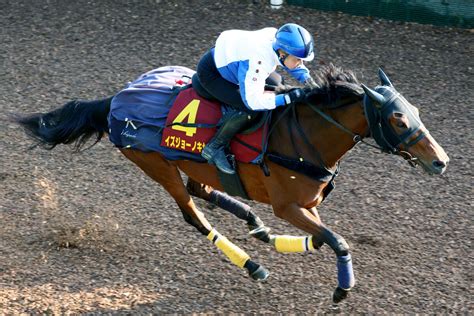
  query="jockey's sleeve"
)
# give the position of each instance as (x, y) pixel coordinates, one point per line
(252, 75)
(300, 73)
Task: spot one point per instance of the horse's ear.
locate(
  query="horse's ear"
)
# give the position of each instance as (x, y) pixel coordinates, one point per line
(384, 78)
(374, 95)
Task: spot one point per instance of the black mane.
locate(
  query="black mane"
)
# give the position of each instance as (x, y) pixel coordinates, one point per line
(334, 84)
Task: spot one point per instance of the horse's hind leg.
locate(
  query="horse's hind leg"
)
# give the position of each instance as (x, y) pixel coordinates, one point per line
(243, 211)
(167, 174)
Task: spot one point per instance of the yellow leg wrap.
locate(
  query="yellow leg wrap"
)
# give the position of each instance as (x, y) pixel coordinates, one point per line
(285, 243)
(236, 255)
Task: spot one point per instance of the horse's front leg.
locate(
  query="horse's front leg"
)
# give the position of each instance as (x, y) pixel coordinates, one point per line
(309, 221)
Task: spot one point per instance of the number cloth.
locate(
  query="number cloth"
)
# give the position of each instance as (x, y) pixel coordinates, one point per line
(140, 112)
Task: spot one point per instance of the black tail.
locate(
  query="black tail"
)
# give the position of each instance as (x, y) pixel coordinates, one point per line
(75, 122)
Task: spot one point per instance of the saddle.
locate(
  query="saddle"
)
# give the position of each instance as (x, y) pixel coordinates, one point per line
(193, 120)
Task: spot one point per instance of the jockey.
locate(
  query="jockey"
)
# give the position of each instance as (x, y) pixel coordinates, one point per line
(236, 70)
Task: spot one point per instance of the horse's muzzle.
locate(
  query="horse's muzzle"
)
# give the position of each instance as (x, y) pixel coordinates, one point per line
(439, 166)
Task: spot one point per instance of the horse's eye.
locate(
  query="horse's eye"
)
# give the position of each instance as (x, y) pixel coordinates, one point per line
(399, 120)
(401, 124)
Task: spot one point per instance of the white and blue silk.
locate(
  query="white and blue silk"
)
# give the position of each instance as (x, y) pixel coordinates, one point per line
(247, 58)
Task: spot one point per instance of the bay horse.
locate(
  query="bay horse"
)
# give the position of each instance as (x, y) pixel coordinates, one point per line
(305, 140)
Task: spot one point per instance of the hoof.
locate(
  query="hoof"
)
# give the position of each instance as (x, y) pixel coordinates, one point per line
(261, 233)
(339, 295)
(261, 274)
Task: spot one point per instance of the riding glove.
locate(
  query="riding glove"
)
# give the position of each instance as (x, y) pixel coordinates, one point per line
(295, 95)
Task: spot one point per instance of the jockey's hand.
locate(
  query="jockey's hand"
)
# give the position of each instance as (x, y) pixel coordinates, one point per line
(294, 95)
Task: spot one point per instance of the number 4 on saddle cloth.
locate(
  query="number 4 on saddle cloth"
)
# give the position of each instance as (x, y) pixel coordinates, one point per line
(158, 112)
(190, 110)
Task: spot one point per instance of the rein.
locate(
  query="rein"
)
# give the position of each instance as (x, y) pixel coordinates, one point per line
(293, 122)
(413, 161)
(355, 137)
(373, 124)
(320, 173)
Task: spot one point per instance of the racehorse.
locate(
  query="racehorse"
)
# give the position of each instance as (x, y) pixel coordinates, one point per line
(305, 143)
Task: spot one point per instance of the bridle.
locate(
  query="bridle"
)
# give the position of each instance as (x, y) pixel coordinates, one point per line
(378, 110)
(379, 105)
(380, 130)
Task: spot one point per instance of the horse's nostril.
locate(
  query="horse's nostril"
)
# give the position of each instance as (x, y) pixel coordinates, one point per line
(439, 164)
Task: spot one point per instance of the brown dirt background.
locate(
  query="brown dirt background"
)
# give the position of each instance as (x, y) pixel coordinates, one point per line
(89, 233)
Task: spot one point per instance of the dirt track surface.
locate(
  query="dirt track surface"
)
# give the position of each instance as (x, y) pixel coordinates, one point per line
(89, 233)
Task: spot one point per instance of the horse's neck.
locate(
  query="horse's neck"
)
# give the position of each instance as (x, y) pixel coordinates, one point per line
(329, 140)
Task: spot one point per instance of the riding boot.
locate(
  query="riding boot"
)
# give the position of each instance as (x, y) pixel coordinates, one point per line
(214, 151)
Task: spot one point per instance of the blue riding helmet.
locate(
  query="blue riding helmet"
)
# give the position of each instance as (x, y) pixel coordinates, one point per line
(295, 40)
